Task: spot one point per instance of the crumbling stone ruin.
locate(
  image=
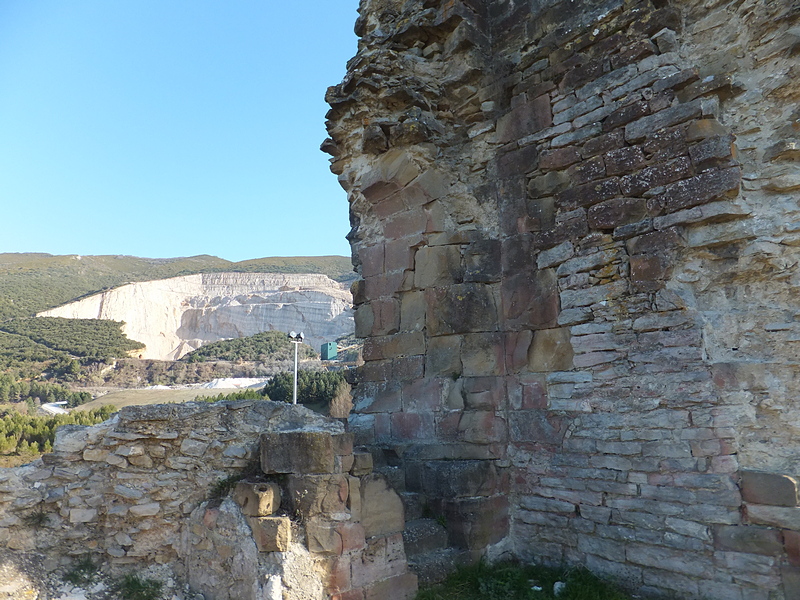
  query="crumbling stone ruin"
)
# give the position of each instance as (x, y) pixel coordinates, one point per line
(309, 520)
(576, 226)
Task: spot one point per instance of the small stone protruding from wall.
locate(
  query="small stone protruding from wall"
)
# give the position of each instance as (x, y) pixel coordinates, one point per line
(257, 499)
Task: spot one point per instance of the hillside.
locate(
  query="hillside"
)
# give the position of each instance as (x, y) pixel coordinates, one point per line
(33, 282)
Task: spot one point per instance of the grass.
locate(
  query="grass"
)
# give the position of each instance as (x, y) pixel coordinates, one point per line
(82, 572)
(36, 519)
(510, 581)
(132, 587)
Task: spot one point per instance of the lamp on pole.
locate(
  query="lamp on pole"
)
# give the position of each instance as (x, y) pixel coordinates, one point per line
(297, 339)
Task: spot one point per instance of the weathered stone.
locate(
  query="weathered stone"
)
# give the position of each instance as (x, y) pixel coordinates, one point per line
(619, 211)
(638, 130)
(468, 307)
(297, 452)
(700, 189)
(381, 507)
(525, 119)
(770, 488)
(271, 534)
(257, 499)
(748, 538)
(551, 350)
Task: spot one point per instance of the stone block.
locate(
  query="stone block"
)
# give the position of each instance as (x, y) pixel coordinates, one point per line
(588, 170)
(322, 537)
(548, 184)
(518, 162)
(770, 488)
(362, 463)
(412, 311)
(536, 426)
(626, 114)
(559, 158)
(458, 478)
(257, 499)
(617, 212)
(718, 151)
(700, 189)
(271, 534)
(444, 356)
(603, 143)
(313, 495)
(530, 300)
(482, 261)
(399, 587)
(588, 194)
(641, 128)
(437, 266)
(785, 517)
(748, 538)
(297, 452)
(525, 119)
(464, 308)
(656, 176)
(791, 544)
(477, 523)
(483, 354)
(657, 242)
(551, 350)
(381, 507)
(624, 160)
(407, 426)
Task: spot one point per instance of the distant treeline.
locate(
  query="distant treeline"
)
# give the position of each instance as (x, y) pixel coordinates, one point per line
(36, 392)
(89, 338)
(27, 434)
(266, 346)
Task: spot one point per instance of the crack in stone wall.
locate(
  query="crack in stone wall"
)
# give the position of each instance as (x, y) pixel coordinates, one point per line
(573, 223)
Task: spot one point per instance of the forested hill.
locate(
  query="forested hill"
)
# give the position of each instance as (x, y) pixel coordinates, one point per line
(30, 282)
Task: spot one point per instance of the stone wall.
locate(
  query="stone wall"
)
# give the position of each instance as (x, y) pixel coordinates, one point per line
(574, 227)
(307, 519)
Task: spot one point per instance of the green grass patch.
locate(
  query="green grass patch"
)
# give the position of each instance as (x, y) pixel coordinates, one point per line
(82, 572)
(133, 587)
(510, 581)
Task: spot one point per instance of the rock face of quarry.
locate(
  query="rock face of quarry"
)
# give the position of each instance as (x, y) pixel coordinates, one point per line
(175, 316)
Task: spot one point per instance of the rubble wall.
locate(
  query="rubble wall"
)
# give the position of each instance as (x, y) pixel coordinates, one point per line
(574, 223)
(240, 500)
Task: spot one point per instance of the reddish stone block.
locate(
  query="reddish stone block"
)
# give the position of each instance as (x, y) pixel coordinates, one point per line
(383, 285)
(483, 354)
(482, 427)
(386, 314)
(632, 53)
(531, 301)
(619, 211)
(583, 74)
(525, 119)
(388, 206)
(483, 392)
(791, 543)
(589, 194)
(399, 254)
(371, 258)
(399, 587)
(668, 143)
(406, 223)
(482, 261)
(338, 575)
(624, 160)
(603, 143)
(716, 151)
(534, 394)
(379, 370)
(517, 344)
(424, 394)
(774, 489)
(517, 162)
(625, 115)
(537, 426)
(657, 242)
(412, 426)
(377, 397)
(383, 427)
(569, 226)
(461, 308)
(476, 523)
(560, 158)
(447, 425)
(353, 537)
(648, 273)
(655, 176)
(357, 594)
(408, 368)
(701, 189)
(588, 170)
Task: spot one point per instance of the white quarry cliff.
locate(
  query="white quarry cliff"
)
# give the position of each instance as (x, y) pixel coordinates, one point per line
(175, 316)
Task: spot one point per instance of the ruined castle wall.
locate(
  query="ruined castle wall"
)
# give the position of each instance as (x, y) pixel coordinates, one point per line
(573, 223)
(239, 500)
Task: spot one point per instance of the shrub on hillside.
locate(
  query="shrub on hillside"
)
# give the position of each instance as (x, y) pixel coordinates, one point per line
(261, 347)
(313, 387)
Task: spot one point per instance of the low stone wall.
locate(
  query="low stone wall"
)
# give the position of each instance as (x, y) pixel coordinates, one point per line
(307, 518)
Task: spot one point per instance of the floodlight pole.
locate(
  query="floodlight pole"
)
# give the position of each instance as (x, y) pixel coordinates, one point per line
(294, 396)
(297, 339)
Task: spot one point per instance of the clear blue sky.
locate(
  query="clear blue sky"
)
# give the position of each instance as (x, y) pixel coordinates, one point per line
(165, 128)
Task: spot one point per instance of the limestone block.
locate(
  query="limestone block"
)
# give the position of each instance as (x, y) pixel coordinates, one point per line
(551, 350)
(354, 498)
(770, 488)
(312, 495)
(748, 538)
(786, 517)
(381, 507)
(82, 515)
(271, 534)
(322, 537)
(297, 452)
(437, 266)
(257, 499)
(145, 510)
(399, 587)
(362, 463)
(70, 438)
